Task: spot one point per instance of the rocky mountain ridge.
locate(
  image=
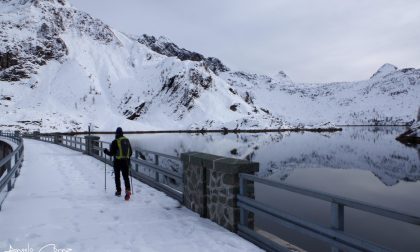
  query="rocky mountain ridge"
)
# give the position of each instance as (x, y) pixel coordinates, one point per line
(61, 69)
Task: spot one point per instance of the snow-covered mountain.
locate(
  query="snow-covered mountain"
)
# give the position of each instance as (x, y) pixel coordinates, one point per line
(61, 69)
(389, 97)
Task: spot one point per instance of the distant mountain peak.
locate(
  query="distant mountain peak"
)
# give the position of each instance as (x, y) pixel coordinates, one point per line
(282, 76)
(37, 2)
(165, 46)
(163, 39)
(384, 70)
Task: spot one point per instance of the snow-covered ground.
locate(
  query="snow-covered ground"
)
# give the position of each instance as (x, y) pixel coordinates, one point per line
(60, 199)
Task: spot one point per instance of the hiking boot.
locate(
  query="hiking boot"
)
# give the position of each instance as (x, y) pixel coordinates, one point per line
(118, 193)
(127, 195)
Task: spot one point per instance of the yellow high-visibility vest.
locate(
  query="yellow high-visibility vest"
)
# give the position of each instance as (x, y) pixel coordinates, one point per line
(121, 154)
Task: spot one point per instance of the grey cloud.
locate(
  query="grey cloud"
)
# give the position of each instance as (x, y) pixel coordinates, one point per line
(312, 41)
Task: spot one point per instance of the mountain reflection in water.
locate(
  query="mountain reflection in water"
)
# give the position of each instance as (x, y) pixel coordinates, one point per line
(372, 149)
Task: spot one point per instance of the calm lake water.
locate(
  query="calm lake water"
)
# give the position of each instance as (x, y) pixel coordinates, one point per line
(362, 163)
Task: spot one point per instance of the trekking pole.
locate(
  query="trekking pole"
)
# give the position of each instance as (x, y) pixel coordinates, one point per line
(105, 173)
(131, 177)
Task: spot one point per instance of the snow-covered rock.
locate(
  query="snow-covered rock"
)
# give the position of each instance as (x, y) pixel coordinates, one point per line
(282, 77)
(412, 135)
(164, 46)
(384, 70)
(61, 69)
(418, 115)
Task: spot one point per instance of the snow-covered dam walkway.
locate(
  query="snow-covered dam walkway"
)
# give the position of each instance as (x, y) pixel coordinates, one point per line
(59, 198)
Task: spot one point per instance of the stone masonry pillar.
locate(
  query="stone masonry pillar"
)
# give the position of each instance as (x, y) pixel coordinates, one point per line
(91, 141)
(37, 135)
(17, 133)
(58, 139)
(211, 186)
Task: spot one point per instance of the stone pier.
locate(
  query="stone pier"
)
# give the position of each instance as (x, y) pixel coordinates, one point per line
(211, 186)
(91, 141)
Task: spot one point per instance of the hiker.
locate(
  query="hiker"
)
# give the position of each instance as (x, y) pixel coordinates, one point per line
(121, 150)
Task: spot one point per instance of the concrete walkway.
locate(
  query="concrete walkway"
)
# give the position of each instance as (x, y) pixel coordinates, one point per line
(59, 200)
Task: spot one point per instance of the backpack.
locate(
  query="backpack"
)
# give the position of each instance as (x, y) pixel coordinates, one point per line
(123, 150)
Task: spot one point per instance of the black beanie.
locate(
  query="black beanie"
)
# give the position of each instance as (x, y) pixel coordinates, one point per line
(118, 132)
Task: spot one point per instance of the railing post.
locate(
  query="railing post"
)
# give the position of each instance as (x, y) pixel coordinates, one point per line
(137, 155)
(211, 186)
(243, 215)
(156, 172)
(337, 220)
(8, 168)
(246, 189)
(17, 133)
(337, 216)
(91, 141)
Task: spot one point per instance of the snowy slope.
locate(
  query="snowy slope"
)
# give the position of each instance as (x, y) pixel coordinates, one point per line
(61, 69)
(389, 97)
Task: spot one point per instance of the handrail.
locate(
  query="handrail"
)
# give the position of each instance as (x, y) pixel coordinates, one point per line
(158, 153)
(158, 168)
(331, 235)
(355, 204)
(11, 164)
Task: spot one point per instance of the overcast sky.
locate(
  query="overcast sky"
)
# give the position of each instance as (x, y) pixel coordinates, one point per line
(310, 40)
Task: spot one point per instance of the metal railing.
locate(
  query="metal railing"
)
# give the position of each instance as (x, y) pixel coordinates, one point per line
(10, 165)
(334, 235)
(161, 171)
(71, 142)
